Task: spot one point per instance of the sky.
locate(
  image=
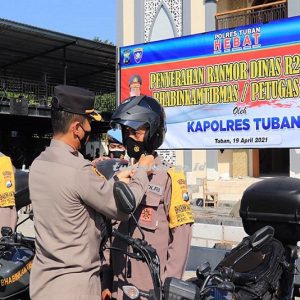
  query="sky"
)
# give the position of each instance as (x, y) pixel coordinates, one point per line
(82, 18)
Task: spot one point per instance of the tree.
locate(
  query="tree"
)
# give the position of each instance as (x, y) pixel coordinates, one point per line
(98, 40)
(106, 102)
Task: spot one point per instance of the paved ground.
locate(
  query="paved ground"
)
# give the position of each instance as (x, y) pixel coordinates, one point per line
(221, 215)
(208, 215)
(27, 227)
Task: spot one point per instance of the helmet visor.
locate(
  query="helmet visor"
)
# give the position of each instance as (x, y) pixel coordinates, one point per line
(128, 123)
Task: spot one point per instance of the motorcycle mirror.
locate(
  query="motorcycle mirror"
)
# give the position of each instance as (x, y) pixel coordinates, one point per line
(124, 197)
(203, 270)
(6, 231)
(261, 236)
(131, 291)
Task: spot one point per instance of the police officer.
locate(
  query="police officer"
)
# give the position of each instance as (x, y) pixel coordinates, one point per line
(70, 199)
(8, 214)
(135, 85)
(164, 213)
(116, 148)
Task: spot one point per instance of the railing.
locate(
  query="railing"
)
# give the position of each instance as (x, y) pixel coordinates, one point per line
(20, 96)
(251, 15)
(36, 93)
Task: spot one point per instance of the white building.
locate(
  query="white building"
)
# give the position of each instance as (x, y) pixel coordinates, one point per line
(142, 21)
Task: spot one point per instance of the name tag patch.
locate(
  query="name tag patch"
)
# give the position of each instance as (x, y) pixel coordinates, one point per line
(156, 189)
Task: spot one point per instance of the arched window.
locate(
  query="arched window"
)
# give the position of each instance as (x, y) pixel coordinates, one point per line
(162, 19)
(163, 26)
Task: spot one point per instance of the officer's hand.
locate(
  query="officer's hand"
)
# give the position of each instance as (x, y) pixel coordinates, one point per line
(146, 162)
(100, 158)
(126, 174)
(106, 294)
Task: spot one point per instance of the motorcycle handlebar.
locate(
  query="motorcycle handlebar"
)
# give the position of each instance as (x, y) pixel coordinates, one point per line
(129, 240)
(17, 239)
(134, 242)
(236, 277)
(27, 239)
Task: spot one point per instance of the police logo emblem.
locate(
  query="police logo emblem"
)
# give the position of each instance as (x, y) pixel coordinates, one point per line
(138, 54)
(126, 57)
(136, 149)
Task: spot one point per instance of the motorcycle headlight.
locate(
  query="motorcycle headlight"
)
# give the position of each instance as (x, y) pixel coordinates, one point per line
(131, 291)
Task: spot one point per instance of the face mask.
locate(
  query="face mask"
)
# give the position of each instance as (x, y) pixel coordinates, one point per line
(134, 148)
(116, 153)
(85, 138)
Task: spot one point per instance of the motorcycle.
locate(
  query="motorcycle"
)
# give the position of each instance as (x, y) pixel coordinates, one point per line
(16, 250)
(208, 284)
(262, 266)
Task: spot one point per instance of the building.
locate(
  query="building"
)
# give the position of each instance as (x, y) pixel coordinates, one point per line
(142, 21)
(32, 61)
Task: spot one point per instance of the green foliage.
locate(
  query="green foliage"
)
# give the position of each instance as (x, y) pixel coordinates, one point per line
(106, 102)
(98, 40)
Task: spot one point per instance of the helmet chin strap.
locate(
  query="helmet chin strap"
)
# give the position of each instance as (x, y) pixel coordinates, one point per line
(146, 142)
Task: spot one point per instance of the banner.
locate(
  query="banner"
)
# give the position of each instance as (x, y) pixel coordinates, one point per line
(233, 88)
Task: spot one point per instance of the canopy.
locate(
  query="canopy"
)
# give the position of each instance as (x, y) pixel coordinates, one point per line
(42, 55)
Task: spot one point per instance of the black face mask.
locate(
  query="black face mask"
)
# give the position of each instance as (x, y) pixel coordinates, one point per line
(116, 153)
(134, 148)
(85, 138)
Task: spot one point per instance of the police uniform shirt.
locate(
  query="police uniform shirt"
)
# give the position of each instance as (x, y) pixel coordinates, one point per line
(172, 245)
(69, 198)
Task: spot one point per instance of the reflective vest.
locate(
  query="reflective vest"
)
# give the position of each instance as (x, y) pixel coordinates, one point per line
(180, 211)
(7, 182)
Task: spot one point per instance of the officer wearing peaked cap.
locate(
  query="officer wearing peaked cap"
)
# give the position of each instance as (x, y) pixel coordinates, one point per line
(70, 200)
(135, 85)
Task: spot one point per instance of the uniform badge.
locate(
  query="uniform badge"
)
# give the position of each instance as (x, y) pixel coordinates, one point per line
(146, 214)
(98, 173)
(137, 55)
(136, 148)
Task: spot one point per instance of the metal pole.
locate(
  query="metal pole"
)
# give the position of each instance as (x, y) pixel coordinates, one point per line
(65, 67)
